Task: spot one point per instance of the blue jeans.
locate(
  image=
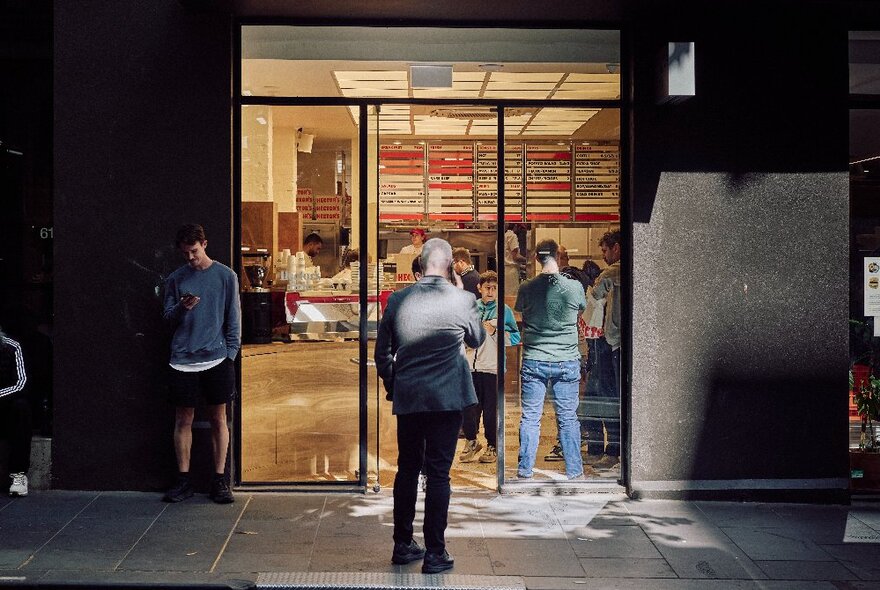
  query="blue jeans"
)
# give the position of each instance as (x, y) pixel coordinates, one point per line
(563, 377)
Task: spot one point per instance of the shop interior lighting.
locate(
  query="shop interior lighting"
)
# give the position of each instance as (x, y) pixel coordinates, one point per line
(261, 120)
(406, 120)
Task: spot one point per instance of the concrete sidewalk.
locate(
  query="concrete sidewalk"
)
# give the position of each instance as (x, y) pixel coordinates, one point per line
(537, 542)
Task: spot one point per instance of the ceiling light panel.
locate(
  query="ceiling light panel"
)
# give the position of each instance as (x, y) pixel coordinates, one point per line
(395, 119)
(609, 78)
(359, 75)
(525, 77)
(558, 121)
(502, 85)
(536, 94)
(420, 93)
(468, 76)
(427, 125)
(372, 84)
(574, 90)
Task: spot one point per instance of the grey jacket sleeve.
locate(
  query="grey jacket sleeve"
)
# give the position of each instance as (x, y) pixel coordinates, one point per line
(384, 350)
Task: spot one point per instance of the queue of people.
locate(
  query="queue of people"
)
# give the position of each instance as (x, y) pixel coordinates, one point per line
(436, 353)
(418, 357)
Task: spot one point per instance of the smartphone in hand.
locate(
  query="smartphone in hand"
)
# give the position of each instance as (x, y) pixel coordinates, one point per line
(186, 295)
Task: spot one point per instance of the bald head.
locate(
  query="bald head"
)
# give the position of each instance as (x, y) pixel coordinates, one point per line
(436, 257)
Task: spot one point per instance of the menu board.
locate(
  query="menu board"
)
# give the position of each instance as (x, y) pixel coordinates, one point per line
(487, 182)
(305, 203)
(457, 181)
(451, 181)
(401, 181)
(597, 182)
(548, 182)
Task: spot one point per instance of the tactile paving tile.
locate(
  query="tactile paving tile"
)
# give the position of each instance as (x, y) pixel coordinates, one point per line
(374, 581)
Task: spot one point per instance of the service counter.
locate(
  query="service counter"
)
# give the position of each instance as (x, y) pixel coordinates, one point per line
(331, 315)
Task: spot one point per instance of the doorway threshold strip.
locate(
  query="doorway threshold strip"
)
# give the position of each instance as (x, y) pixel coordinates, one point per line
(376, 581)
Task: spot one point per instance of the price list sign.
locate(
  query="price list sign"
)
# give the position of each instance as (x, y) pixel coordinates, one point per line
(451, 181)
(548, 182)
(597, 182)
(487, 182)
(401, 181)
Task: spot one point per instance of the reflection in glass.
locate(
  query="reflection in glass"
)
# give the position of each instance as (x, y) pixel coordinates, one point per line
(300, 392)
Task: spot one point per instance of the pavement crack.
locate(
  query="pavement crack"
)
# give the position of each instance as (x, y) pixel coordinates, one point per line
(58, 532)
(143, 534)
(229, 536)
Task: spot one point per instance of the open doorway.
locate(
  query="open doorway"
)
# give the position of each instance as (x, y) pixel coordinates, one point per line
(425, 159)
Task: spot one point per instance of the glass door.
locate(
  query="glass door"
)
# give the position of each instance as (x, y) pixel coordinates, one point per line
(562, 183)
(439, 173)
(301, 355)
(436, 177)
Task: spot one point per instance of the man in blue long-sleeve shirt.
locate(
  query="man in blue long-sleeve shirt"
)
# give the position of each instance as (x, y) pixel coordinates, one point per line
(202, 306)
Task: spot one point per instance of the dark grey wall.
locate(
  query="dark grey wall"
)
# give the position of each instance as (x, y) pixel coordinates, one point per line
(142, 145)
(740, 278)
(744, 184)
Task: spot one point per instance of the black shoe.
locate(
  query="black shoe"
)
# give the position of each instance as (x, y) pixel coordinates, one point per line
(555, 454)
(220, 492)
(407, 552)
(437, 562)
(180, 492)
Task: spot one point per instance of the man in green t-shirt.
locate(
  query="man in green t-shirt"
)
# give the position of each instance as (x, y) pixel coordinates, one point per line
(550, 305)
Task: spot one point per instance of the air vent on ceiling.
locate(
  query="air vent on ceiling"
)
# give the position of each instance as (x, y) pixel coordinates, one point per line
(476, 113)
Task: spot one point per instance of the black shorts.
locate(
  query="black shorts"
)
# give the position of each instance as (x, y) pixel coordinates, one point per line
(212, 387)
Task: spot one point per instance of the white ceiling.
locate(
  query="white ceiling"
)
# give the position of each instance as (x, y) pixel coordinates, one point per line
(333, 126)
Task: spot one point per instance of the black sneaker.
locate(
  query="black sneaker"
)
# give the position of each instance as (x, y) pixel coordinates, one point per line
(407, 552)
(437, 562)
(180, 492)
(220, 492)
(555, 454)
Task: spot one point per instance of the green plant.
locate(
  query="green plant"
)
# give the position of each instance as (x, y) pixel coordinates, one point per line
(865, 349)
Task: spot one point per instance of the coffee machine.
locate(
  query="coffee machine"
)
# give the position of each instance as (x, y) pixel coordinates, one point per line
(256, 266)
(256, 298)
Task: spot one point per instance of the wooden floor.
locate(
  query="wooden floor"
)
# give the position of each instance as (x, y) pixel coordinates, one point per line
(300, 409)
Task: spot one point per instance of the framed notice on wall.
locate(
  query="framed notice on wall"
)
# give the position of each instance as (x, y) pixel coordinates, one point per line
(872, 286)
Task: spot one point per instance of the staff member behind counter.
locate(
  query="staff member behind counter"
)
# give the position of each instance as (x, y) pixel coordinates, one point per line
(312, 245)
(417, 235)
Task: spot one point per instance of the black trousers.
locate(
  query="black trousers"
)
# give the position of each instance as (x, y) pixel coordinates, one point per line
(16, 427)
(487, 398)
(424, 440)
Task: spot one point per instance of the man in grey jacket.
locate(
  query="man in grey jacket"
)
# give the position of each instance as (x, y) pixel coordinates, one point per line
(420, 358)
